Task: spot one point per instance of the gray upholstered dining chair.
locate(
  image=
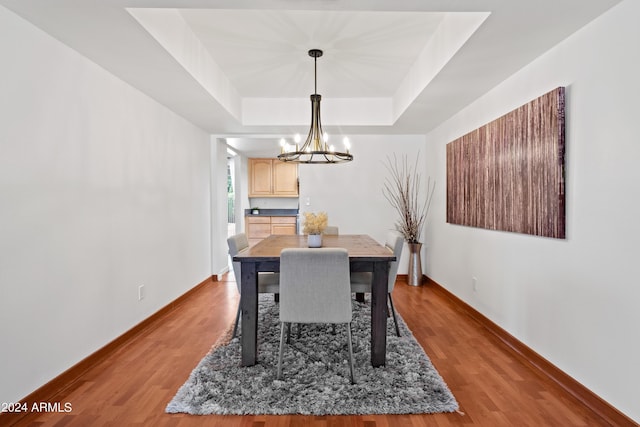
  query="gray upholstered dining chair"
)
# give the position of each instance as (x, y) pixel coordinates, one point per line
(268, 283)
(331, 230)
(314, 288)
(361, 282)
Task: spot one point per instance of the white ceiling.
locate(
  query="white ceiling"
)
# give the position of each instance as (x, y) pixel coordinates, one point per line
(240, 69)
(264, 53)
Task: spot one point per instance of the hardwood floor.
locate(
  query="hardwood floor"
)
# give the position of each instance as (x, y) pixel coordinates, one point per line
(493, 387)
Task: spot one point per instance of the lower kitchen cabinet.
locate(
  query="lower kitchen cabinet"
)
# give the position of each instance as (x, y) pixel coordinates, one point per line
(259, 227)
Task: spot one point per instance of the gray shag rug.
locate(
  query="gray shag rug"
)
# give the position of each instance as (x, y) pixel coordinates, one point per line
(316, 377)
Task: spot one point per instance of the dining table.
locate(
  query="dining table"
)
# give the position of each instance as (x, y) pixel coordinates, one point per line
(365, 254)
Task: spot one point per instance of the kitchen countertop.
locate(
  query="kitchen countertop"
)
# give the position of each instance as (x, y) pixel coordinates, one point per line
(273, 212)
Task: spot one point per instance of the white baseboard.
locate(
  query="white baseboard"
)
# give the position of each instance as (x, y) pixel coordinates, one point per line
(222, 273)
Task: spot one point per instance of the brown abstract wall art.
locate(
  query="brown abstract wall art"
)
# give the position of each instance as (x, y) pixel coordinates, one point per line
(509, 174)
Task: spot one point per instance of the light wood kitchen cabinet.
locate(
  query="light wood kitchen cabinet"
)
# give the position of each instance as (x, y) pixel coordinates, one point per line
(272, 178)
(283, 225)
(260, 177)
(259, 227)
(285, 178)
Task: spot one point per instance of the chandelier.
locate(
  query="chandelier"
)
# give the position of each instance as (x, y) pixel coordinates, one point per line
(316, 148)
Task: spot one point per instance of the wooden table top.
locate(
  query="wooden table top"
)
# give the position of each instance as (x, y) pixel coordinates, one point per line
(360, 247)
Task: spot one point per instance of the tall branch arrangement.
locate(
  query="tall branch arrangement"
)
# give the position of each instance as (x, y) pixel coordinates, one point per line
(402, 190)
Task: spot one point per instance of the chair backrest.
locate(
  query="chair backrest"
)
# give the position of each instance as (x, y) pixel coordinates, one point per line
(315, 285)
(237, 243)
(331, 229)
(395, 242)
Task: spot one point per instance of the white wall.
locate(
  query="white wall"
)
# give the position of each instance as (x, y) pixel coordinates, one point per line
(351, 193)
(219, 206)
(101, 190)
(573, 301)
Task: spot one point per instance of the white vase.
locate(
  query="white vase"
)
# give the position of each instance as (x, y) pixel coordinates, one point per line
(314, 240)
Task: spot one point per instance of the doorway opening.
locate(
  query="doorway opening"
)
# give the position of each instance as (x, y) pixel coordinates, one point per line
(231, 197)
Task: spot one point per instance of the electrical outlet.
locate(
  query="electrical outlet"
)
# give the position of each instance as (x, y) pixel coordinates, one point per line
(140, 292)
(474, 283)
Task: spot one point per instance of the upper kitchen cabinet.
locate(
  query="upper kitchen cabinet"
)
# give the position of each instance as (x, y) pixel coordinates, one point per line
(272, 178)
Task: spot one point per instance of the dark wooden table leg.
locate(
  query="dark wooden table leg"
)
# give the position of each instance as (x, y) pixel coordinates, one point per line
(249, 312)
(379, 313)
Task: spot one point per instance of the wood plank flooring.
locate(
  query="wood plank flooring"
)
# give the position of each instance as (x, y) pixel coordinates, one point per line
(494, 388)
